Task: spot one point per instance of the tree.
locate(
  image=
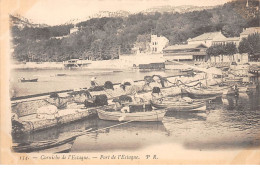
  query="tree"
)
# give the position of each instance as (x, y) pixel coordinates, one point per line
(230, 49)
(227, 49)
(213, 50)
(254, 43)
(142, 42)
(243, 46)
(250, 45)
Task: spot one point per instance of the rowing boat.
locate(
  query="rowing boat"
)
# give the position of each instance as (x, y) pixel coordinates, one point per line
(59, 145)
(54, 146)
(171, 104)
(233, 80)
(29, 80)
(201, 93)
(149, 116)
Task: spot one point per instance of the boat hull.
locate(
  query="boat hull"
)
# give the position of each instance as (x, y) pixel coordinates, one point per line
(32, 80)
(180, 106)
(65, 148)
(58, 146)
(201, 93)
(151, 116)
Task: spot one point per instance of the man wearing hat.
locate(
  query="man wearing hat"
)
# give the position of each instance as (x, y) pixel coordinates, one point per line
(93, 82)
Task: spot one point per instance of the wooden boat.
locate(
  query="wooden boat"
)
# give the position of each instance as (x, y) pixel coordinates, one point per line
(60, 75)
(149, 116)
(117, 71)
(242, 89)
(172, 105)
(186, 70)
(201, 93)
(65, 148)
(53, 146)
(29, 80)
(233, 79)
(60, 145)
(76, 63)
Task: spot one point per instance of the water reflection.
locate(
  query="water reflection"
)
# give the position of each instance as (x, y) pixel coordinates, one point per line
(186, 115)
(244, 102)
(130, 136)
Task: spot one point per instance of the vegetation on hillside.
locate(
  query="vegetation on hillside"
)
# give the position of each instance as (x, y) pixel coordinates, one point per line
(104, 38)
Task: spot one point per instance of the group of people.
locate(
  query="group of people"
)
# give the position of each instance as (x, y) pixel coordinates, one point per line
(131, 91)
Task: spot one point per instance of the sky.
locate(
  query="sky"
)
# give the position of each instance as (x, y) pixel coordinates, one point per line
(55, 12)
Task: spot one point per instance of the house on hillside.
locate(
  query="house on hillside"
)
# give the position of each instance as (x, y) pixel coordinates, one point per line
(59, 37)
(74, 29)
(206, 38)
(248, 31)
(158, 43)
(187, 52)
(225, 40)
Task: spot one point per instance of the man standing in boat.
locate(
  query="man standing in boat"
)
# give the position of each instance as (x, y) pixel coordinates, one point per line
(156, 94)
(93, 82)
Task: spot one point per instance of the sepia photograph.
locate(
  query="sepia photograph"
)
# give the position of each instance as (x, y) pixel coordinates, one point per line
(130, 82)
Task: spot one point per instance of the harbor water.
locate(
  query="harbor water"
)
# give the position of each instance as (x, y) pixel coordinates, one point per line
(229, 123)
(56, 80)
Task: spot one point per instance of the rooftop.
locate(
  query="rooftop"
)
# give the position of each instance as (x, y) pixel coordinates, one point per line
(205, 36)
(158, 37)
(228, 39)
(186, 46)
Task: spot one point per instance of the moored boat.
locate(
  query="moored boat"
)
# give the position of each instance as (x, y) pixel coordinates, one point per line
(201, 93)
(148, 116)
(186, 70)
(53, 146)
(76, 63)
(172, 105)
(60, 75)
(29, 80)
(233, 80)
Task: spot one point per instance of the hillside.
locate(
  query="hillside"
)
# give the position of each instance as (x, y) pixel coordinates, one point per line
(175, 9)
(102, 38)
(101, 14)
(22, 22)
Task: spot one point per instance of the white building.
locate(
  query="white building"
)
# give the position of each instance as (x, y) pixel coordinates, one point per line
(249, 31)
(234, 40)
(192, 52)
(206, 38)
(74, 29)
(158, 43)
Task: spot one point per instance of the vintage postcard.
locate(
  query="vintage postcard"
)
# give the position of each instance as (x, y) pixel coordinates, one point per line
(130, 82)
